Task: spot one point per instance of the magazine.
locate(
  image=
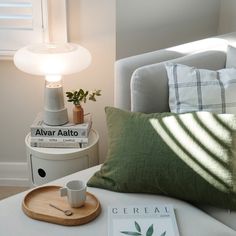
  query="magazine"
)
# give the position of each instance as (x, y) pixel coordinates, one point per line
(142, 220)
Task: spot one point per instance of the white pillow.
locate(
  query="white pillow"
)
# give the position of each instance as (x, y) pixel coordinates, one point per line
(192, 89)
(231, 57)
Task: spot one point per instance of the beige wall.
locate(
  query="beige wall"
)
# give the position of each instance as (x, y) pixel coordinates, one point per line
(20, 100)
(92, 24)
(144, 26)
(227, 22)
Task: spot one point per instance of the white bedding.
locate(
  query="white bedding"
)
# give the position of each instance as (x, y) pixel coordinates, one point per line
(191, 221)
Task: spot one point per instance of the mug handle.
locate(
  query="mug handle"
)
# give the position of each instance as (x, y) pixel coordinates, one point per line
(63, 192)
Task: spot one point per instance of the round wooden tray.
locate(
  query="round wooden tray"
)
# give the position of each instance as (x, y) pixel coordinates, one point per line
(36, 205)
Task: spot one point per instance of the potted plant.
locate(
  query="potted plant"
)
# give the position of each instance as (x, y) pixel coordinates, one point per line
(77, 97)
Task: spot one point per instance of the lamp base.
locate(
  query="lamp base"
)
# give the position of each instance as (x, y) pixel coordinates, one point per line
(59, 117)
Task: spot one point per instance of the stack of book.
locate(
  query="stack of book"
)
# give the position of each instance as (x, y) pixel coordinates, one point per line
(65, 136)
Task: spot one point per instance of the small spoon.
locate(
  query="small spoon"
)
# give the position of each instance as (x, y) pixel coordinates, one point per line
(66, 212)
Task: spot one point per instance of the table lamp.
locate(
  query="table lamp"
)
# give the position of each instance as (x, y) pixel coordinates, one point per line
(53, 60)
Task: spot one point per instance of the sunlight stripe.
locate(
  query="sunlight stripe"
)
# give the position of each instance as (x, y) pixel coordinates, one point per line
(194, 149)
(212, 124)
(205, 138)
(191, 163)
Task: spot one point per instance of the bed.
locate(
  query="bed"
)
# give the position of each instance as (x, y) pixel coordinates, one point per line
(191, 220)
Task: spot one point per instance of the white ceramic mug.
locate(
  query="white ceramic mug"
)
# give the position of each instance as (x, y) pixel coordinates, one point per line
(75, 191)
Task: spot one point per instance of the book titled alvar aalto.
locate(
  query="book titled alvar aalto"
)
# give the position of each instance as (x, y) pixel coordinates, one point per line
(69, 130)
(143, 220)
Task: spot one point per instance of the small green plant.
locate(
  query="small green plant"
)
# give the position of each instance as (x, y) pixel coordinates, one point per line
(138, 231)
(81, 95)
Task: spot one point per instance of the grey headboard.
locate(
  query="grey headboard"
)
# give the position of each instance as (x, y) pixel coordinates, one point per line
(141, 82)
(149, 84)
(124, 69)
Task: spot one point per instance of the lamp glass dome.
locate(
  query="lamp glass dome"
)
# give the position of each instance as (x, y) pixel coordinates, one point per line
(52, 58)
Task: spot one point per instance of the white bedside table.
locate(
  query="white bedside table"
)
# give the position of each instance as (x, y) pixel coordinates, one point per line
(47, 164)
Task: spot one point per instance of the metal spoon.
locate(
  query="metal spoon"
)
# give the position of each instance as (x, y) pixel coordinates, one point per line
(66, 212)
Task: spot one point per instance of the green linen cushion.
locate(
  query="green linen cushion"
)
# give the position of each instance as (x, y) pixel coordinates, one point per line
(187, 156)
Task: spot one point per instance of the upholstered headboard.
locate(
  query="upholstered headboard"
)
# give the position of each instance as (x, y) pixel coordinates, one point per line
(141, 81)
(149, 84)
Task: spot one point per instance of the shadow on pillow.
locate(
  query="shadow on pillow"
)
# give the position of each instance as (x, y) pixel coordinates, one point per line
(187, 156)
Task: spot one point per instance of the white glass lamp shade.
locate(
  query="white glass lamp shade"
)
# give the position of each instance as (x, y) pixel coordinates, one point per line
(53, 60)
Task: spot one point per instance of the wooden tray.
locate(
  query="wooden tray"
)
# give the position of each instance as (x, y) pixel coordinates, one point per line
(36, 206)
